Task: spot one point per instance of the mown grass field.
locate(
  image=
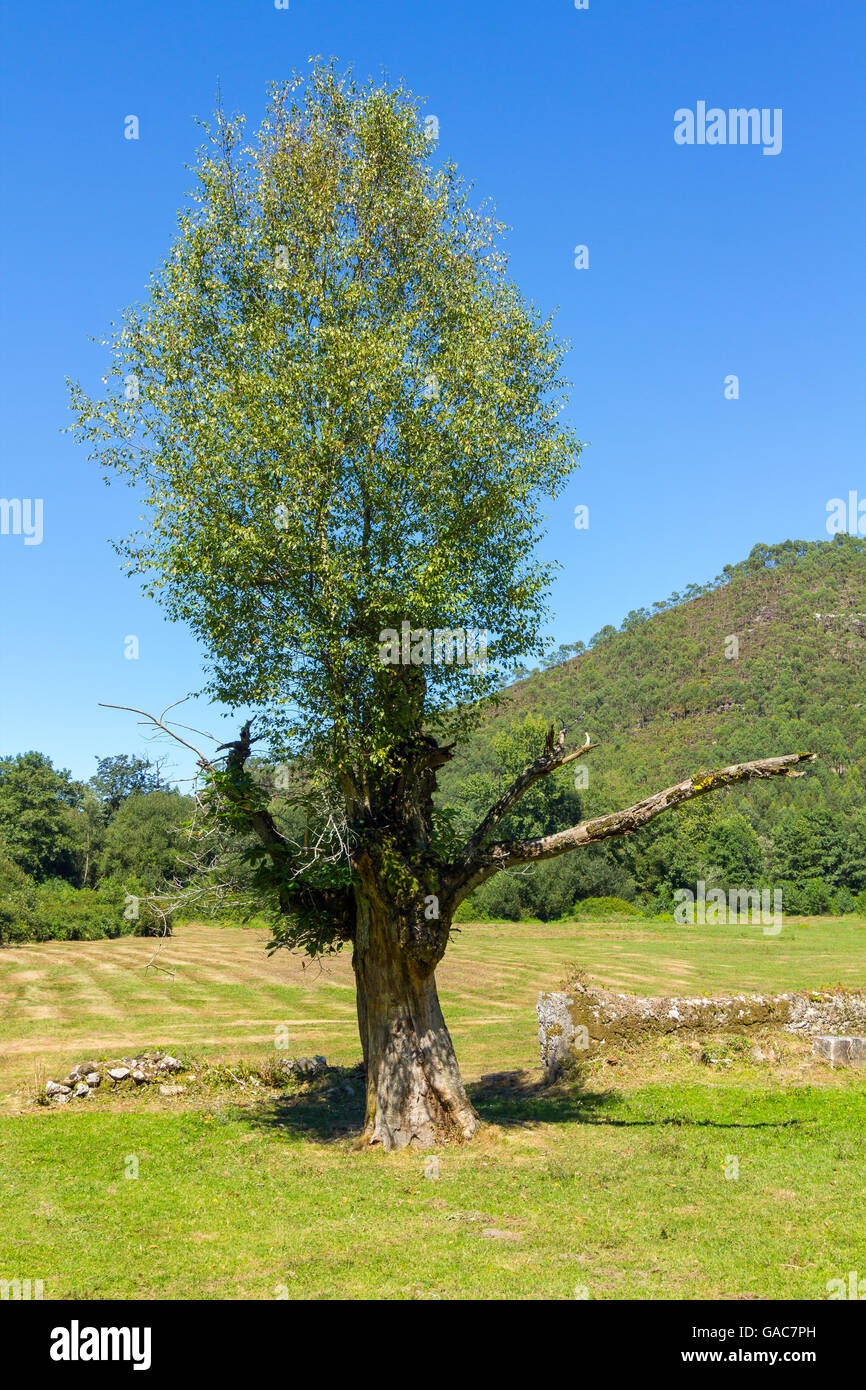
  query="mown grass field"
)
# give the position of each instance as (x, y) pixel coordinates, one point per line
(666, 1171)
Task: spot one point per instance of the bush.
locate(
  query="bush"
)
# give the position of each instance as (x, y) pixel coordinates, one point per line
(602, 910)
(498, 900)
(810, 899)
(844, 901)
(55, 911)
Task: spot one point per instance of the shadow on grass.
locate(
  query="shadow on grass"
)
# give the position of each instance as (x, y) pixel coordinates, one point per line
(330, 1108)
(326, 1108)
(519, 1098)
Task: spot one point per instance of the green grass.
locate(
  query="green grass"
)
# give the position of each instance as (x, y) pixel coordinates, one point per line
(217, 992)
(623, 1195)
(614, 1184)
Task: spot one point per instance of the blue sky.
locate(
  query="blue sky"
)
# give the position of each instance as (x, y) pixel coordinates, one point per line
(704, 261)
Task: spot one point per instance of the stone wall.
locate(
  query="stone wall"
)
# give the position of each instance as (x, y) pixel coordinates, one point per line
(573, 1025)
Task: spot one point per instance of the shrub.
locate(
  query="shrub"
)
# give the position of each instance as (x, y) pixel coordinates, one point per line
(844, 901)
(55, 911)
(602, 910)
(809, 899)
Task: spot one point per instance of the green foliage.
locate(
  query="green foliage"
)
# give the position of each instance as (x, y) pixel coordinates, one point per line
(551, 804)
(811, 898)
(146, 839)
(55, 911)
(40, 828)
(603, 910)
(663, 700)
(118, 777)
(304, 485)
(733, 846)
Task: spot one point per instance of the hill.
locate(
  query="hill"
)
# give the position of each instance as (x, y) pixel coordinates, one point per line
(770, 657)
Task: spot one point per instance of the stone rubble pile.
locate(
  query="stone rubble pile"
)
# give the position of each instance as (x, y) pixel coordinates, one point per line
(85, 1078)
(303, 1066)
(150, 1067)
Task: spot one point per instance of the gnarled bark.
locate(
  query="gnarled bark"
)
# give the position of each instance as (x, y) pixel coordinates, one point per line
(414, 1092)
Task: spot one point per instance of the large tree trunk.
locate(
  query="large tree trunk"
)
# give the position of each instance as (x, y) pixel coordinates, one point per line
(414, 1091)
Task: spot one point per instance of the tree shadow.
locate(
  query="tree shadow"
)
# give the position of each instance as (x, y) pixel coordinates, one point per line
(521, 1098)
(525, 1098)
(329, 1108)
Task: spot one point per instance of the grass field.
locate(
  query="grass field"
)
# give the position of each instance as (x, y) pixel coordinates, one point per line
(666, 1171)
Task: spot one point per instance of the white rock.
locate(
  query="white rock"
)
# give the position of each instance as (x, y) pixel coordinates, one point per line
(93, 1078)
(846, 1052)
(82, 1088)
(54, 1088)
(118, 1073)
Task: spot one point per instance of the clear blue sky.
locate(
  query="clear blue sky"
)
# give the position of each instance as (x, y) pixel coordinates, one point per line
(705, 261)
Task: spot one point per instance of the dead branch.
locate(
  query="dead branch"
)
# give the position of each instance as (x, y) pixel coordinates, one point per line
(550, 760)
(487, 860)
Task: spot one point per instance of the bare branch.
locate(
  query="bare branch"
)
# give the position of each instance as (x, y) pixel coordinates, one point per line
(159, 724)
(553, 758)
(489, 859)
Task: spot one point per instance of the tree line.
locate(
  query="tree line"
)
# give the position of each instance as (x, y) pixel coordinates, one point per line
(74, 854)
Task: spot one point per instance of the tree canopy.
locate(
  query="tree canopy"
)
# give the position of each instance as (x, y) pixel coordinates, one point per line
(340, 415)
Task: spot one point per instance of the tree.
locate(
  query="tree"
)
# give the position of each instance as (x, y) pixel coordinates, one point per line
(91, 834)
(808, 845)
(118, 777)
(145, 838)
(40, 824)
(735, 847)
(342, 421)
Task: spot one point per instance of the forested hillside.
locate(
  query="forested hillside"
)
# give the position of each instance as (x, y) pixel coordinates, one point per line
(768, 658)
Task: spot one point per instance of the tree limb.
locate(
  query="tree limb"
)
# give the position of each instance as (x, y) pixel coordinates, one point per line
(553, 757)
(295, 896)
(489, 859)
(261, 822)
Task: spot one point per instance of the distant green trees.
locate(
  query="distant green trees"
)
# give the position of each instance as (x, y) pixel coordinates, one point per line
(144, 839)
(71, 852)
(119, 777)
(39, 808)
(733, 846)
(807, 845)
